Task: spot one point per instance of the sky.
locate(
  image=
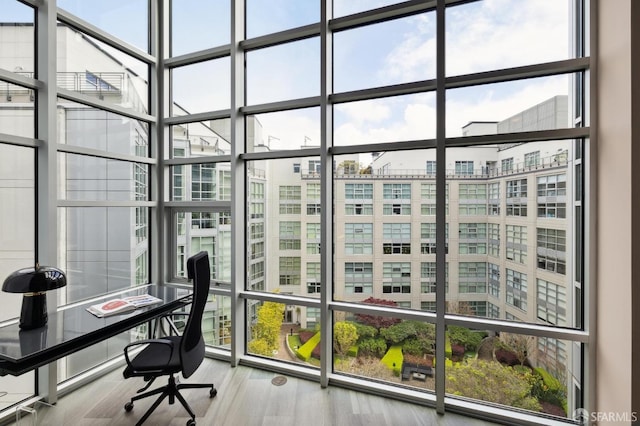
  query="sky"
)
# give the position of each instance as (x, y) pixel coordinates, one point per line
(480, 36)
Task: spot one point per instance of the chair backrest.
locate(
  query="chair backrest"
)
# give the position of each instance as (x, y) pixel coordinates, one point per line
(192, 345)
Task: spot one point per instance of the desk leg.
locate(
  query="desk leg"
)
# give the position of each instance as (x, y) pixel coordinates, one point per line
(48, 382)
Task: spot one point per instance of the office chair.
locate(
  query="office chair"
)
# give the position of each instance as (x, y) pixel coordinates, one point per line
(171, 355)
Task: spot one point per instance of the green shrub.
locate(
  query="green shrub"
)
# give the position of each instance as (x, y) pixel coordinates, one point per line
(470, 339)
(393, 359)
(491, 381)
(447, 347)
(547, 388)
(373, 347)
(353, 351)
(304, 351)
(417, 347)
(365, 331)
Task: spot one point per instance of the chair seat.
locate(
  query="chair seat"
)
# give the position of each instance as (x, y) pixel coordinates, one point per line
(153, 358)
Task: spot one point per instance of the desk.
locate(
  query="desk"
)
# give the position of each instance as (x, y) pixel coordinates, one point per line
(71, 329)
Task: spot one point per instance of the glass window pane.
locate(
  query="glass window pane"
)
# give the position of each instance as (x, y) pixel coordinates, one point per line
(284, 226)
(202, 230)
(200, 139)
(125, 19)
(93, 128)
(486, 35)
(392, 119)
(514, 370)
(286, 71)
(82, 177)
(198, 25)
(17, 38)
(278, 15)
(284, 332)
(17, 116)
(284, 130)
(17, 218)
(517, 106)
(395, 351)
(392, 52)
(512, 256)
(88, 66)
(201, 87)
(102, 249)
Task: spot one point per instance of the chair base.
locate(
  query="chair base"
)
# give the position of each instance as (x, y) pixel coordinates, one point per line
(171, 390)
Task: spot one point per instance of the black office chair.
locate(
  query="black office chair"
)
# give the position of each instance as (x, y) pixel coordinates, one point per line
(174, 354)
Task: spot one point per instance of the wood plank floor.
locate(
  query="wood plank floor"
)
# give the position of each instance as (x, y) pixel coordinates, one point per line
(246, 397)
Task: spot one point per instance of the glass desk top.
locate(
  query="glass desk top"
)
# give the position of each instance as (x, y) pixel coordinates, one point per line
(73, 328)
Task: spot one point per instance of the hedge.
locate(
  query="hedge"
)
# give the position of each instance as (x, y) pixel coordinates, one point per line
(393, 359)
(305, 351)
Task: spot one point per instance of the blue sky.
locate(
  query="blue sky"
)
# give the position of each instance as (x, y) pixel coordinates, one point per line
(481, 36)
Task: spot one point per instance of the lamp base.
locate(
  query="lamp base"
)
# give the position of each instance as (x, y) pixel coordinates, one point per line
(34, 311)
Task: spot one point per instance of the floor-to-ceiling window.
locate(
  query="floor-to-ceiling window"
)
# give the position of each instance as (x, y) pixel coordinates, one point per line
(390, 192)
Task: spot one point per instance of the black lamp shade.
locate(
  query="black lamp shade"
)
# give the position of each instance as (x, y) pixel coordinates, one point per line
(33, 282)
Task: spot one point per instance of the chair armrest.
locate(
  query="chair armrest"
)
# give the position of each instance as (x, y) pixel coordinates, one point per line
(165, 342)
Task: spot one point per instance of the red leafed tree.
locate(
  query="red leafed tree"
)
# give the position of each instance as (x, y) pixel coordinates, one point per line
(378, 321)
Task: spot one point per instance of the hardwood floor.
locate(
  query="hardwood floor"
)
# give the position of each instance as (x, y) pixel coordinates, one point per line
(246, 397)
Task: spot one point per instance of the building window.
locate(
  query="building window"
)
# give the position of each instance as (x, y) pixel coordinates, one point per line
(494, 239)
(397, 238)
(551, 250)
(203, 187)
(493, 311)
(507, 165)
(517, 197)
(464, 168)
(517, 243)
(431, 167)
(313, 191)
(552, 191)
(517, 289)
(315, 167)
(494, 199)
(313, 278)
(290, 233)
(396, 277)
(396, 191)
(358, 209)
(473, 277)
(358, 191)
(296, 167)
(428, 277)
(289, 193)
(396, 209)
(472, 238)
(358, 238)
(289, 270)
(313, 209)
(358, 277)
(552, 303)
(532, 159)
(494, 280)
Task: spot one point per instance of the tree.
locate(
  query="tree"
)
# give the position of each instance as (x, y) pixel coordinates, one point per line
(345, 335)
(470, 339)
(378, 321)
(266, 330)
(493, 382)
(519, 344)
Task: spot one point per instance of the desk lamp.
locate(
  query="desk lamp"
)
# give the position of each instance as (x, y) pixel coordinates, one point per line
(34, 282)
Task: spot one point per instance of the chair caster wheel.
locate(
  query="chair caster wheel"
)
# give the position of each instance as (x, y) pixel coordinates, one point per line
(128, 406)
(191, 422)
(213, 393)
